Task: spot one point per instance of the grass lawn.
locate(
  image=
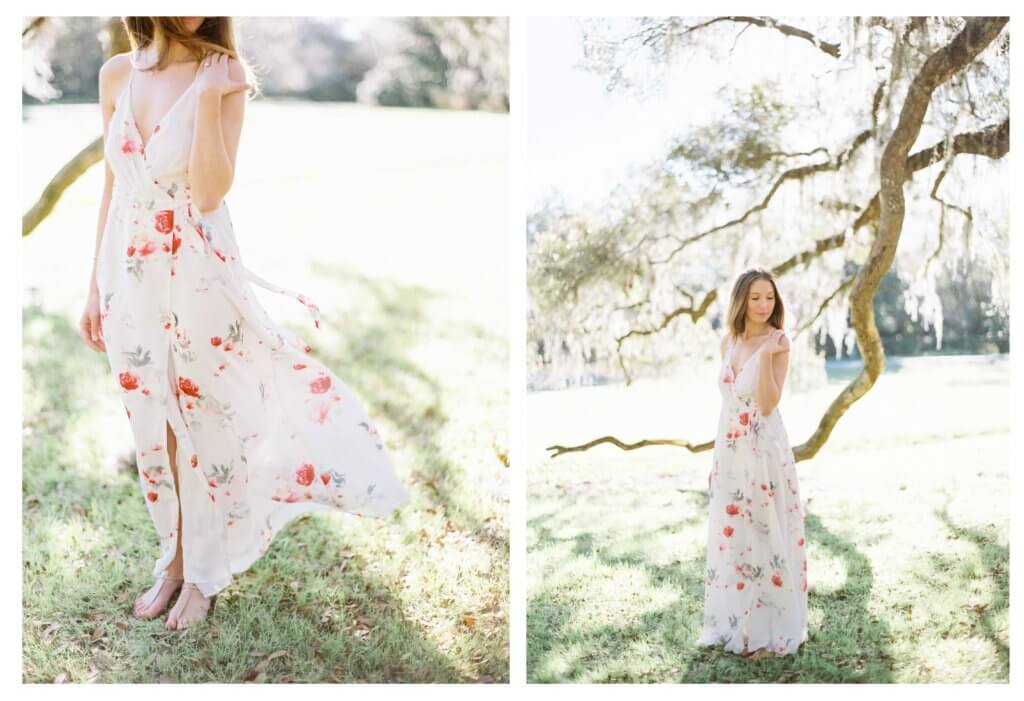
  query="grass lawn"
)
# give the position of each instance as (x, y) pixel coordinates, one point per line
(907, 526)
(368, 233)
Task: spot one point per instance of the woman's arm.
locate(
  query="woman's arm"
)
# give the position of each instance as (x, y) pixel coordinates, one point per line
(771, 377)
(111, 79)
(218, 128)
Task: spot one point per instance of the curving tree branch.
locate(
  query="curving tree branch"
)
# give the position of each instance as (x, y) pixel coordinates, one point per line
(65, 178)
(798, 173)
(937, 69)
(828, 47)
(693, 448)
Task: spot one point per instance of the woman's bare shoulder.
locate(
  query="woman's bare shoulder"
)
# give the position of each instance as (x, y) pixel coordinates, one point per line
(113, 73)
(116, 65)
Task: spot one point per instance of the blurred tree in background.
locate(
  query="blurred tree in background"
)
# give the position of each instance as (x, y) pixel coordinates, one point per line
(444, 62)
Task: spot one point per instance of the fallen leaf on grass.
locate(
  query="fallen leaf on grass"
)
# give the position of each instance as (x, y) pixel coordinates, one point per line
(259, 673)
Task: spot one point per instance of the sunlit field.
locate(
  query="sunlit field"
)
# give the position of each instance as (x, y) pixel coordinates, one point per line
(907, 520)
(394, 222)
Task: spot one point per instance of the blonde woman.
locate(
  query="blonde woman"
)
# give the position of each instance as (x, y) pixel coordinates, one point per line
(238, 428)
(755, 589)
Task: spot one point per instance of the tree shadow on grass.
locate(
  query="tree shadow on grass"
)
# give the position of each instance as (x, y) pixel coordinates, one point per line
(851, 644)
(994, 561)
(375, 345)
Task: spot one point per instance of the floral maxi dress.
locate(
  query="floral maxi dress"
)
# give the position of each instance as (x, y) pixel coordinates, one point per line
(264, 431)
(755, 587)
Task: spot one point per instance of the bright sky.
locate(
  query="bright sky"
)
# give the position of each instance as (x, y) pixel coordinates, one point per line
(582, 140)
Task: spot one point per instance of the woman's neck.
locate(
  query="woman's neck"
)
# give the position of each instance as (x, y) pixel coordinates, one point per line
(176, 53)
(753, 330)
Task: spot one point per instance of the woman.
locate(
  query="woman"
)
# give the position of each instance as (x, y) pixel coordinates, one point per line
(265, 431)
(755, 590)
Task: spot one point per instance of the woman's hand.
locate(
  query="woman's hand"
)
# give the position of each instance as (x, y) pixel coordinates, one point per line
(90, 326)
(777, 342)
(214, 79)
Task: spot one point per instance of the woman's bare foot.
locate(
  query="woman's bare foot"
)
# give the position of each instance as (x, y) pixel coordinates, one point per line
(191, 607)
(153, 601)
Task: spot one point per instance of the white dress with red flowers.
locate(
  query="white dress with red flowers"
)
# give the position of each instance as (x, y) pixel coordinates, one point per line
(265, 432)
(755, 586)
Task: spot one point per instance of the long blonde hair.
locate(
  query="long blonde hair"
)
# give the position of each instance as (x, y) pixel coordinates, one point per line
(738, 302)
(216, 35)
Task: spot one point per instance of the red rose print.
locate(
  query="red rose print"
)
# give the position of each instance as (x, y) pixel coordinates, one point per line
(727, 531)
(764, 487)
(195, 460)
(228, 346)
(322, 412)
(188, 387)
(299, 366)
(127, 146)
(739, 586)
(305, 474)
(131, 251)
(308, 349)
(175, 244)
(732, 509)
(147, 248)
(164, 221)
(744, 418)
(212, 483)
(215, 341)
(776, 580)
(152, 496)
(800, 542)
(325, 478)
(145, 391)
(220, 255)
(320, 384)
(129, 381)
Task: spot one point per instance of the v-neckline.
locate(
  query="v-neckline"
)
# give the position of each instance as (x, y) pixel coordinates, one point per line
(746, 362)
(131, 110)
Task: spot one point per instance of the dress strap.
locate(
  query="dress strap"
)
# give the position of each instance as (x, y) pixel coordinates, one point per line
(313, 309)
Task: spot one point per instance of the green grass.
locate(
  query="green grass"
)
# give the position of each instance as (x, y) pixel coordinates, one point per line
(421, 596)
(907, 528)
